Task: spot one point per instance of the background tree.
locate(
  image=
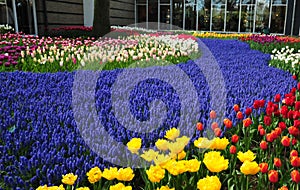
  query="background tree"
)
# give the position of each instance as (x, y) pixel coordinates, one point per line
(101, 23)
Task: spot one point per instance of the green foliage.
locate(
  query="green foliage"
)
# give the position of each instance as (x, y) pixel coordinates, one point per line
(269, 47)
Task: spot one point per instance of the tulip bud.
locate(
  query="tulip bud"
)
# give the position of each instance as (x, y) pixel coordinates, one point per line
(277, 162)
(234, 138)
(295, 161)
(273, 176)
(199, 126)
(293, 153)
(263, 145)
(295, 175)
(285, 141)
(263, 167)
(212, 114)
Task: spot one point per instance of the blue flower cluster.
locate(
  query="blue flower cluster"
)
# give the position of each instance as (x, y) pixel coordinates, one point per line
(40, 136)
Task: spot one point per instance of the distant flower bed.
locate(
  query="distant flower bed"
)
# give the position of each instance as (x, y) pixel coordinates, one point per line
(31, 53)
(286, 58)
(267, 43)
(141, 50)
(83, 28)
(219, 35)
(269, 39)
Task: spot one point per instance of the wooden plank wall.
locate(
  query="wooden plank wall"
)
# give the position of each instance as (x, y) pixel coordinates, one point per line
(121, 12)
(59, 13)
(70, 13)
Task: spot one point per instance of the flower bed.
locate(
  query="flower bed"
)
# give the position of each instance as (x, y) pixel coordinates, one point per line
(267, 43)
(219, 35)
(30, 53)
(38, 120)
(287, 59)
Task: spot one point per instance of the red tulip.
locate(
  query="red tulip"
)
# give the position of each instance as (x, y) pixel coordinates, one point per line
(296, 123)
(263, 167)
(293, 153)
(269, 111)
(227, 123)
(239, 115)
(285, 141)
(297, 105)
(295, 161)
(294, 131)
(248, 111)
(294, 77)
(273, 176)
(247, 122)
(278, 131)
(289, 101)
(294, 141)
(236, 108)
(267, 120)
(296, 115)
(269, 137)
(199, 126)
(277, 98)
(256, 104)
(274, 134)
(282, 125)
(232, 149)
(217, 132)
(262, 103)
(277, 162)
(262, 132)
(234, 138)
(284, 111)
(263, 145)
(295, 175)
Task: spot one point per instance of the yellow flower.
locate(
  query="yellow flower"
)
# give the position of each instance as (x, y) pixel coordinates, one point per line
(125, 174)
(110, 173)
(215, 162)
(149, 155)
(249, 168)
(94, 175)
(120, 186)
(69, 179)
(181, 155)
(202, 142)
(162, 144)
(249, 155)
(219, 144)
(155, 173)
(61, 187)
(83, 188)
(176, 167)
(183, 140)
(175, 148)
(172, 134)
(161, 159)
(165, 188)
(193, 165)
(134, 145)
(44, 187)
(209, 183)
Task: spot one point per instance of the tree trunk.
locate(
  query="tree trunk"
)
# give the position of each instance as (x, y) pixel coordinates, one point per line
(101, 23)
